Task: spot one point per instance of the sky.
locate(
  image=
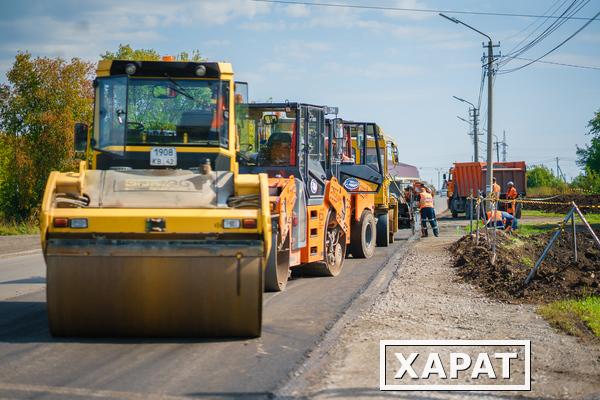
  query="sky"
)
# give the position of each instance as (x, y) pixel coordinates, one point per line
(399, 69)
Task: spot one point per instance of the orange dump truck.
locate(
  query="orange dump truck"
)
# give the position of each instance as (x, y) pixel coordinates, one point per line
(468, 178)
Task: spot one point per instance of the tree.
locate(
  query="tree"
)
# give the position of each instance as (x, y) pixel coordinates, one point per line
(45, 97)
(126, 52)
(590, 181)
(589, 156)
(541, 176)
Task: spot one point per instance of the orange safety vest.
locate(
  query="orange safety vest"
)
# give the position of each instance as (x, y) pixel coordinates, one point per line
(498, 215)
(425, 200)
(512, 193)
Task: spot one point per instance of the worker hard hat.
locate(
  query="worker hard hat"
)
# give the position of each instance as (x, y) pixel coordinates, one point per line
(510, 183)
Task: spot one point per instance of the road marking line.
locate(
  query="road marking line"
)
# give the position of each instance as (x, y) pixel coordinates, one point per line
(21, 253)
(70, 391)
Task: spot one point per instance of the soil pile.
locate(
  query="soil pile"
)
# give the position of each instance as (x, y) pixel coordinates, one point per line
(559, 277)
(581, 200)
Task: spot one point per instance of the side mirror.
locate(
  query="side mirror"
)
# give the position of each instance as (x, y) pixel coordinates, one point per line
(80, 137)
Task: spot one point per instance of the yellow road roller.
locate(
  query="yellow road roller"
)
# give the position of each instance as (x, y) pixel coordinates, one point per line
(158, 234)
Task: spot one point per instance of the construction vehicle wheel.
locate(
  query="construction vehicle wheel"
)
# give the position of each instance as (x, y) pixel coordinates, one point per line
(277, 271)
(383, 237)
(469, 212)
(335, 248)
(362, 236)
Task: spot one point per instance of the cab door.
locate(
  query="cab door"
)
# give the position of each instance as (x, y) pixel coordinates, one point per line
(312, 128)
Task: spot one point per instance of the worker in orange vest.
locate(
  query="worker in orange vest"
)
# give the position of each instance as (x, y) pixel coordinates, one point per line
(427, 211)
(502, 219)
(496, 189)
(511, 194)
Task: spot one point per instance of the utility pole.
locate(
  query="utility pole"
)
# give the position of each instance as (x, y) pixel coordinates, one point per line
(475, 133)
(490, 110)
(497, 143)
(473, 113)
(490, 76)
(559, 173)
(504, 146)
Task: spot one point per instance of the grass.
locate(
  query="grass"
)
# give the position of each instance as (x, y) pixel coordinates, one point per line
(538, 213)
(528, 230)
(23, 228)
(591, 218)
(527, 262)
(576, 317)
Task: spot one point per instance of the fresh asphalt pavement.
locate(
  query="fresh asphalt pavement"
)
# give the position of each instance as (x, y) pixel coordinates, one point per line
(33, 364)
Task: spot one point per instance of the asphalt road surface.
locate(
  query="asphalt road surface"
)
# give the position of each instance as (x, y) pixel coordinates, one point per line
(33, 364)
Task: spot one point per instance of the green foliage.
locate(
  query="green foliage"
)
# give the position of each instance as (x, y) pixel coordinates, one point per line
(126, 52)
(589, 155)
(541, 176)
(21, 228)
(589, 181)
(576, 317)
(45, 97)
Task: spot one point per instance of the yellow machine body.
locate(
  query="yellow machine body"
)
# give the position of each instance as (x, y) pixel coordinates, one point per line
(174, 251)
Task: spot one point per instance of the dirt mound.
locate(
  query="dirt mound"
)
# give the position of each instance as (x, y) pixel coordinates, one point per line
(559, 277)
(581, 200)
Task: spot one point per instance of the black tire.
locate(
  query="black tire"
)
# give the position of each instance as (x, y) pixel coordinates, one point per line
(383, 229)
(362, 236)
(334, 250)
(277, 271)
(469, 211)
(518, 209)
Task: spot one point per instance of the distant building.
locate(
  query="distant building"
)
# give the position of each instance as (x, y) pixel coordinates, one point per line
(405, 172)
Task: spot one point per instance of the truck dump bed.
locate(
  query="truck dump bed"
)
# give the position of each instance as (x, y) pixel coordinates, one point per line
(469, 177)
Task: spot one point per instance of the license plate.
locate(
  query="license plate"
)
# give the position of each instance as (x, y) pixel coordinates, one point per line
(163, 156)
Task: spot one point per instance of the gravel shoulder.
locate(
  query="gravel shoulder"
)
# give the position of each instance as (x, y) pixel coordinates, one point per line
(426, 300)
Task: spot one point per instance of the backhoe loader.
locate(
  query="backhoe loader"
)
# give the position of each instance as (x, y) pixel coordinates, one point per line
(310, 210)
(361, 179)
(371, 147)
(161, 236)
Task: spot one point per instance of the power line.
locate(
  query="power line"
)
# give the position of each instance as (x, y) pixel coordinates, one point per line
(545, 19)
(551, 10)
(558, 63)
(422, 10)
(555, 25)
(553, 49)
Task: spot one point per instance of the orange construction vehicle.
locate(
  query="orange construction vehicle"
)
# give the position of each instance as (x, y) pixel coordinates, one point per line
(310, 210)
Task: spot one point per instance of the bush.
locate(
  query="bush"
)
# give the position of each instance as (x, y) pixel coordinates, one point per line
(542, 176)
(588, 182)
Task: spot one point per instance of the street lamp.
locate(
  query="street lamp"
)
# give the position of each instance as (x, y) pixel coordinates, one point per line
(490, 60)
(475, 123)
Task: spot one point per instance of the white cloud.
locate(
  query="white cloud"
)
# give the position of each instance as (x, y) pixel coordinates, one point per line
(96, 28)
(415, 15)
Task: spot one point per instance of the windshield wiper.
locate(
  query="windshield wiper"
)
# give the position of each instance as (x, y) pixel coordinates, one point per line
(180, 89)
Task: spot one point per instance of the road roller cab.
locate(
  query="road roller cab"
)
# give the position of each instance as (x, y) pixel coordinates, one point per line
(162, 236)
(310, 209)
